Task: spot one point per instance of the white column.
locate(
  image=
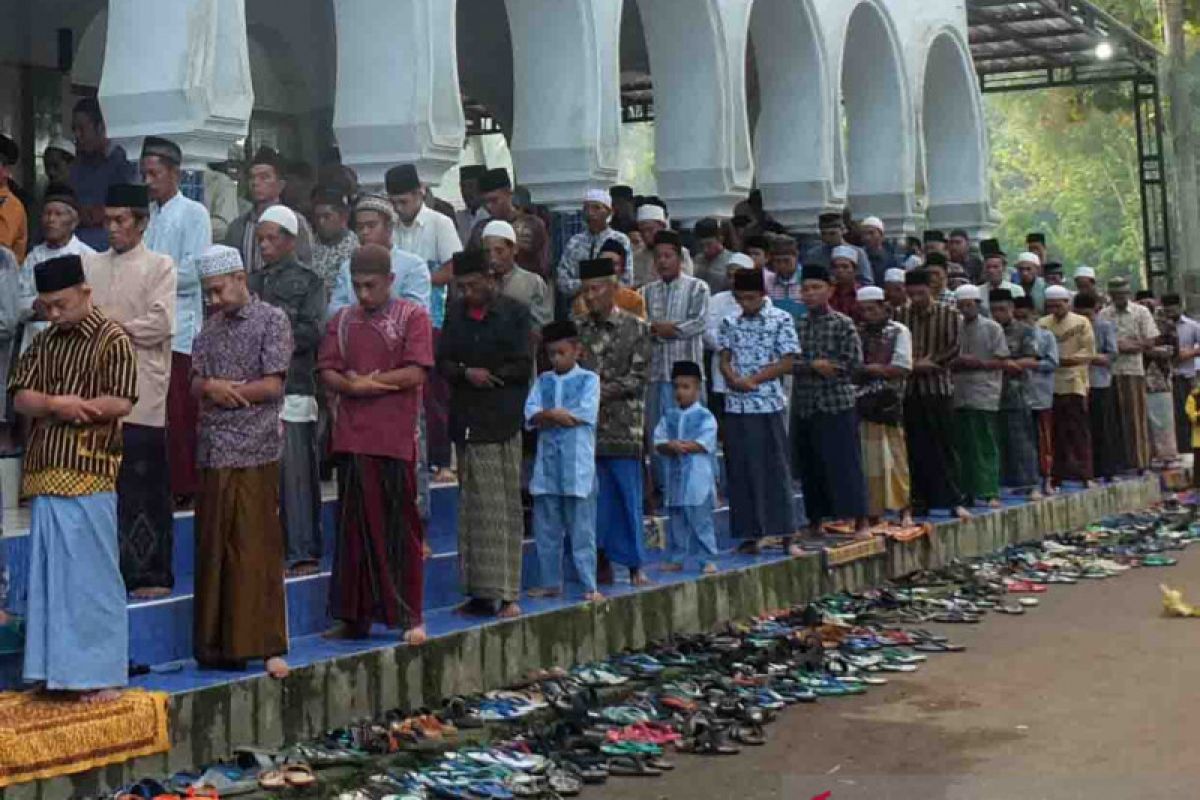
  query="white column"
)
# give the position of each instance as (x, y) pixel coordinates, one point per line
(178, 69)
(697, 62)
(566, 93)
(398, 98)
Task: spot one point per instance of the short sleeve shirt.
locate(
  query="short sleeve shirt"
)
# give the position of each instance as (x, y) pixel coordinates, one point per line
(1075, 340)
(755, 343)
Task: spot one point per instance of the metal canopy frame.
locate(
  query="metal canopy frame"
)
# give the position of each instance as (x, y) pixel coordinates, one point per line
(1020, 45)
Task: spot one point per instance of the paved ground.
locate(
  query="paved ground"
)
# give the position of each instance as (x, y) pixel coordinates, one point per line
(1092, 695)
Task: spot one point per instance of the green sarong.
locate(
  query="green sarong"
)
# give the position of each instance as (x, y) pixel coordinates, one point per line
(978, 453)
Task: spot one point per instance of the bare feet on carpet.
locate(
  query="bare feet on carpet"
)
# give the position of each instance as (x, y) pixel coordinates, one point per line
(509, 611)
(415, 636)
(277, 668)
(303, 568)
(445, 475)
(150, 593)
(995, 503)
(593, 597)
(426, 551)
(709, 569)
(100, 696)
(906, 518)
(639, 578)
(962, 513)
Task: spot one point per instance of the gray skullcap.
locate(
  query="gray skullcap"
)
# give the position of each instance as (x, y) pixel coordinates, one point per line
(219, 259)
(378, 204)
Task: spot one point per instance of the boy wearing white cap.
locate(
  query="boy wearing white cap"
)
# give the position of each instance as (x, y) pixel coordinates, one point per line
(585, 245)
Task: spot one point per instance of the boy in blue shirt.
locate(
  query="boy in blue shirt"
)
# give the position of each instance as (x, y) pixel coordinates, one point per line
(687, 438)
(563, 405)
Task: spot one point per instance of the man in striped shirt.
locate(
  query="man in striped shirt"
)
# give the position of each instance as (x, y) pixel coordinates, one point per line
(76, 381)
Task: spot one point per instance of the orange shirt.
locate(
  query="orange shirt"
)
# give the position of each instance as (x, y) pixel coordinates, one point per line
(14, 228)
(627, 300)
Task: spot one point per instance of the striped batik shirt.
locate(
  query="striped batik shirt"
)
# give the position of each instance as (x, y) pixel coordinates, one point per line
(683, 301)
(936, 331)
(92, 359)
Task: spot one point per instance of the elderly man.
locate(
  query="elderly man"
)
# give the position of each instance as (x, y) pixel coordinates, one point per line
(958, 251)
(628, 300)
(267, 184)
(98, 164)
(894, 293)
(887, 361)
(180, 228)
(842, 267)
(1183, 375)
(1029, 266)
(500, 248)
(1085, 283)
(1102, 406)
(136, 289)
(77, 381)
(712, 262)
(878, 250)
(586, 245)
(1076, 350)
(677, 307)
(334, 242)
(60, 217)
(978, 382)
(929, 399)
(832, 229)
(374, 222)
(239, 360)
(1136, 333)
(533, 240)
(783, 278)
(616, 346)
(484, 353)
(14, 221)
(289, 285)
(374, 357)
(1018, 436)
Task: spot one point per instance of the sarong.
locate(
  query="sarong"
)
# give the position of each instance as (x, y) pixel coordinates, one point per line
(885, 467)
(144, 515)
(300, 488)
(619, 530)
(182, 420)
(77, 630)
(436, 398)
(827, 459)
(1106, 446)
(378, 566)
(239, 612)
(1133, 429)
(1043, 422)
(1181, 387)
(762, 501)
(932, 463)
(1018, 448)
(1072, 438)
(978, 453)
(1160, 419)
(490, 519)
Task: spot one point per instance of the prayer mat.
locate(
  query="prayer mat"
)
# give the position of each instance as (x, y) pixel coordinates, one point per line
(837, 553)
(889, 530)
(42, 738)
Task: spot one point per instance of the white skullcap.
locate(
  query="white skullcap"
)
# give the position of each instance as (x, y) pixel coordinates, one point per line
(1085, 272)
(1057, 293)
(282, 216)
(651, 213)
(893, 275)
(740, 261)
(868, 293)
(501, 229)
(1030, 258)
(844, 251)
(913, 262)
(967, 292)
(62, 143)
(872, 222)
(219, 259)
(598, 196)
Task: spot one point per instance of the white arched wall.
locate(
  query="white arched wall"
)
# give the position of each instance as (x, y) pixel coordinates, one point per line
(954, 138)
(879, 119)
(795, 135)
(697, 56)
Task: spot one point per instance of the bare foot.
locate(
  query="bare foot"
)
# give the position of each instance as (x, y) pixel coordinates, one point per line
(509, 611)
(544, 591)
(303, 568)
(709, 569)
(445, 475)
(1036, 494)
(995, 503)
(639, 578)
(100, 696)
(669, 567)
(415, 636)
(150, 593)
(795, 550)
(426, 551)
(906, 518)
(277, 668)
(593, 597)
(962, 513)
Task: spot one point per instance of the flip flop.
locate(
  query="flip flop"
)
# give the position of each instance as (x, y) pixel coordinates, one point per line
(299, 776)
(631, 766)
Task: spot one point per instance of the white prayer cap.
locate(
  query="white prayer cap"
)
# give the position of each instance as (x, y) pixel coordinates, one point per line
(967, 291)
(501, 229)
(1030, 258)
(62, 143)
(844, 251)
(1016, 291)
(1057, 293)
(913, 262)
(740, 261)
(869, 293)
(1085, 272)
(598, 196)
(282, 216)
(872, 222)
(651, 213)
(893, 275)
(219, 259)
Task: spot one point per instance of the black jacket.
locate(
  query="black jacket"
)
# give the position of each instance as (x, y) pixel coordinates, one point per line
(500, 343)
(300, 293)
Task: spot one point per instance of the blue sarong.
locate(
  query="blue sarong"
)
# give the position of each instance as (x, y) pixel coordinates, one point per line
(619, 510)
(77, 631)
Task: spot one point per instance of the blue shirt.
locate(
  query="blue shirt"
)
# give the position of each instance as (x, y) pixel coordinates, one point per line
(690, 478)
(181, 229)
(411, 282)
(755, 343)
(566, 457)
(90, 178)
(1040, 388)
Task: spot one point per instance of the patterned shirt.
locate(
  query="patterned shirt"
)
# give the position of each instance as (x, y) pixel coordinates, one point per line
(755, 343)
(1075, 340)
(1022, 344)
(93, 359)
(1133, 322)
(584, 246)
(831, 336)
(1041, 380)
(935, 333)
(888, 344)
(1160, 359)
(181, 229)
(566, 457)
(618, 350)
(689, 479)
(252, 343)
(328, 258)
(683, 301)
(785, 293)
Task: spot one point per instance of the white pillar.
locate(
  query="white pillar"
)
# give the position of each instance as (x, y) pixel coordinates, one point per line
(567, 105)
(181, 70)
(398, 98)
(697, 62)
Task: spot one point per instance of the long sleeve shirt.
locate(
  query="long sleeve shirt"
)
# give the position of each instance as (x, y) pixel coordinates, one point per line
(689, 479)
(566, 457)
(300, 293)
(433, 238)
(1075, 340)
(683, 301)
(181, 229)
(1100, 375)
(825, 335)
(586, 245)
(1040, 389)
(618, 350)
(411, 281)
(14, 223)
(1133, 322)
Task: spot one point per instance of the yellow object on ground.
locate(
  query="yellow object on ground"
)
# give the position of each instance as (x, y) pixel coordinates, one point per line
(1174, 605)
(43, 738)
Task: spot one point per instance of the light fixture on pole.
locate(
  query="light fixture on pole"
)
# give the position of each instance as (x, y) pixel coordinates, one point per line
(1104, 50)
